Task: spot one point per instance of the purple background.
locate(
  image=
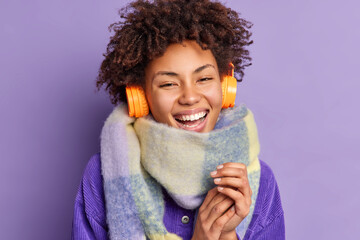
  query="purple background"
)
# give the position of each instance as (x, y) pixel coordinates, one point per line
(303, 88)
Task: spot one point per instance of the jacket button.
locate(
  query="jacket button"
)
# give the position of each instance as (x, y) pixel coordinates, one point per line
(185, 219)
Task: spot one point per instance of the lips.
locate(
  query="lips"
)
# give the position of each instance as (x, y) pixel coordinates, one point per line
(192, 121)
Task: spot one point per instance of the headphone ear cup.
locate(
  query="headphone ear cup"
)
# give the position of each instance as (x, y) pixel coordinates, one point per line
(228, 86)
(137, 103)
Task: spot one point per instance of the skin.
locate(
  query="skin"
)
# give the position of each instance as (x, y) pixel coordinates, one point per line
(182, 82)
(225, 206)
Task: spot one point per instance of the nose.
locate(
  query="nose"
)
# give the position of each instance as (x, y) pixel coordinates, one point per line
(189, 95)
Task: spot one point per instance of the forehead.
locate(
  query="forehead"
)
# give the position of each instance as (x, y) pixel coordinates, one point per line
(182, 58)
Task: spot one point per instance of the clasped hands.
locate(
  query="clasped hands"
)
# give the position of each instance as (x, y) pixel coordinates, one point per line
(226, 205)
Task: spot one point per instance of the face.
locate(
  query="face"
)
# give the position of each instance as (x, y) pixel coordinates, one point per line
(183, 87)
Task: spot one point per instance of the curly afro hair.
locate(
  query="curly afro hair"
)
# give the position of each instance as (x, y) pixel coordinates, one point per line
(148, 27)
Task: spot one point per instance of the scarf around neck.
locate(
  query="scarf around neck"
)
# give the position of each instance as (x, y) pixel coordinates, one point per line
(140, 157)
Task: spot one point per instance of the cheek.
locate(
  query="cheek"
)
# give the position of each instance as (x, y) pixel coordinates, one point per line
(161, 106)
(214, 97)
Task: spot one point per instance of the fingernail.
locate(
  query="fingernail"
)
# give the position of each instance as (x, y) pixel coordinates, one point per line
(220, 166)
(217, 180)
(213, 173)
(232, 208)
(220, 188)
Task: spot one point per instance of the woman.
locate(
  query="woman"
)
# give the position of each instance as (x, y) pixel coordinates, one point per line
(189, 169)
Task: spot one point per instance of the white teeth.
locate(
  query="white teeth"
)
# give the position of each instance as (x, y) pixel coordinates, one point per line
(193, 126)
(192, 117)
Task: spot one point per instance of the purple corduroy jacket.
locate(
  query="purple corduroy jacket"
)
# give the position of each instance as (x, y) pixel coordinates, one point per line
(90, 215)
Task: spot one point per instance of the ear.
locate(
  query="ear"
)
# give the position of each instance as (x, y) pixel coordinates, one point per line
(137, 103)
(229, 86)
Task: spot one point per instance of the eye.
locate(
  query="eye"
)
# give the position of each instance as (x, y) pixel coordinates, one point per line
(167, 85)
(205, 79)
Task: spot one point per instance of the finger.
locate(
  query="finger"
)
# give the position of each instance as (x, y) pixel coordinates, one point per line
(220, 222)
(238, 198)
(216, 200)
(229, 172)
(242, 184)
(232, 165)
(209, 196)
(219, 209)
(232, 182)
(212, 198)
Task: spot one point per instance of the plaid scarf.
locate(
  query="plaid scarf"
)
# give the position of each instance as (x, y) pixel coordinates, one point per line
(141, 156)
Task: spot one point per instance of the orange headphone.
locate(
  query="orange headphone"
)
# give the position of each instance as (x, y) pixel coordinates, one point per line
(138, 106)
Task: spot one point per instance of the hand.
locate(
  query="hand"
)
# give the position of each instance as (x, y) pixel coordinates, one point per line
(214, 213)
(232, 182)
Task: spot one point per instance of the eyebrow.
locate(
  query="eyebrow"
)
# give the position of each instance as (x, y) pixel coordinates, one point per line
(199, 69)
(168, 73)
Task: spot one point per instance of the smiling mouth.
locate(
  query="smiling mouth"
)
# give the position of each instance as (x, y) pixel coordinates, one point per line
(191, 121)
